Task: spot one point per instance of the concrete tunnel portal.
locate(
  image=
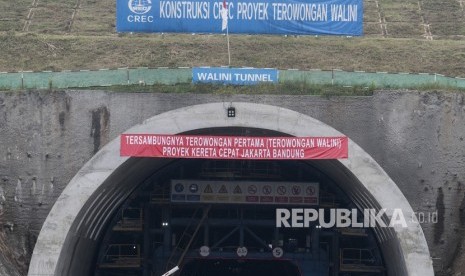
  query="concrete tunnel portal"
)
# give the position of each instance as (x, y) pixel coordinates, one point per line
(81, 229)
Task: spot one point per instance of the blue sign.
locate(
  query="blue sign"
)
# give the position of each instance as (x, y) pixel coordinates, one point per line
(234, 76)
(296, 17)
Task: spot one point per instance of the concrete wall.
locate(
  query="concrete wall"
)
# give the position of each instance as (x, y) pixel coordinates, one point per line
(46, 137)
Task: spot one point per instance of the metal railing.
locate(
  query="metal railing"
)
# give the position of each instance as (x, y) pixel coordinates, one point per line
(131, 220)
(358, 260)
(122, 256)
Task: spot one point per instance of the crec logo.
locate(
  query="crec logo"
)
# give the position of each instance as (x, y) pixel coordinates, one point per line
(140, 6)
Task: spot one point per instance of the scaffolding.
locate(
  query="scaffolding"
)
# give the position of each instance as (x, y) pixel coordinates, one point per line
(122, 256)
(328, 200)
(358, 232)
(187, 237)
(131, 220)
(358, 260)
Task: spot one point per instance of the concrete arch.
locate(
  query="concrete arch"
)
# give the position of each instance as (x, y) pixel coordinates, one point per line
(75, 222)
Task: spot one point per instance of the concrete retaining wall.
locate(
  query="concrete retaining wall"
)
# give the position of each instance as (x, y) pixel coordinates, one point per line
(46, 137)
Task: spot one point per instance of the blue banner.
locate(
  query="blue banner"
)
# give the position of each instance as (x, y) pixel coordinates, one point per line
(234, 76)
(304, 17)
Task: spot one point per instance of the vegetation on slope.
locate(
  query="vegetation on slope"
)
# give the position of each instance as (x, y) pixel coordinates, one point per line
(39, 52)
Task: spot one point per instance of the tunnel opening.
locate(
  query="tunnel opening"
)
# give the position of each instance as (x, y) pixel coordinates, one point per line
(153, 231)
(80, 230)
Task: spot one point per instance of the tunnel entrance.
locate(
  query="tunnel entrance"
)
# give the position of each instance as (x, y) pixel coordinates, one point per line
(154, 230)
(106, 222)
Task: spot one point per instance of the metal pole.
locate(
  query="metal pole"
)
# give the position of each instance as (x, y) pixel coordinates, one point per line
(332, 76)
(173, 270)
(229, 52)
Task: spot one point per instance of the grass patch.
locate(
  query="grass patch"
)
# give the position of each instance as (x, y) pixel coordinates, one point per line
(436, 87)
(93, 44)
(38, 52)
(295, 88)
(288, 88)
(291, 88)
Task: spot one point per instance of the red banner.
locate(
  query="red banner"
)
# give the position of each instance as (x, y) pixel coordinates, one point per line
(233, 147)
